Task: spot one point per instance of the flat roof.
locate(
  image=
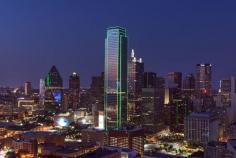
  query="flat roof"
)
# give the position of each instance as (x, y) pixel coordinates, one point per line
(69, 147)
(26, 127)
(101, 152)
(217, 143)
(203, 114)
(41, 134)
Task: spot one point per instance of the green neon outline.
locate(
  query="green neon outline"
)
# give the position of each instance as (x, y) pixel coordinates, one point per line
(121, 37)
(48, 80)
(119, 86)
(105, 86)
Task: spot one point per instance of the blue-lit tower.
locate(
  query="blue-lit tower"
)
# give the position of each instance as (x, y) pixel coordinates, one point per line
(115, 83)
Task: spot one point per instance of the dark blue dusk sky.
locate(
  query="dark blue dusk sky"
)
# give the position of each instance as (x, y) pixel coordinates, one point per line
(170, 35)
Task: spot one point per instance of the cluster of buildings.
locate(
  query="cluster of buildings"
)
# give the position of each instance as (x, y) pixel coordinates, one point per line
(122, 106)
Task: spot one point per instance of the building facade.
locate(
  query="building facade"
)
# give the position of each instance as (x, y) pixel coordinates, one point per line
(150, 80)
(203, 78)
(132, 139)
(53, 90)
(174, 80)
(135, 75)
(115, 87)
(74, 91)
(200, 128)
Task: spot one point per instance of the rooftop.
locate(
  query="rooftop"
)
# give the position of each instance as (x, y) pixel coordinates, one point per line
(101, 152)
(217, 143)
(41, 134)
(203, 114)
(69, 147)
(26, 127)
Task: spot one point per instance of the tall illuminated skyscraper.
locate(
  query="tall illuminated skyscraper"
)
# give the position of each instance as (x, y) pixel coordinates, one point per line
(53, 78)
(115, 83)
(135, 75)
(203, 78)
(74, 91)
(53, 90)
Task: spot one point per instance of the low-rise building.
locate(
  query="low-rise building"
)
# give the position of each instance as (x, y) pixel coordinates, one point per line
(44, 137)
(20, 145)
(68, 149)
(94, 135)
(132, 138)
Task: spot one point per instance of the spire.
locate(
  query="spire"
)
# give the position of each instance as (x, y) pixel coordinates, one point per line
(132, 53)
(140, 60)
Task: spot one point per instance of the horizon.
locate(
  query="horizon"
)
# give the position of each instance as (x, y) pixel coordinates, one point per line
(36, 35)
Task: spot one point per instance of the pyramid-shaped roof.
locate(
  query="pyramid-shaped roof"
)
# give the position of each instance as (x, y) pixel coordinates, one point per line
(53, 78)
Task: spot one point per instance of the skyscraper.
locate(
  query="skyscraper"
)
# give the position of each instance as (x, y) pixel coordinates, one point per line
(203, 77)
(115, 87)
(53, 79)
(97, 87)
(189, 83)
(28, 88)
(174, 80)
(53, 90)
(150, 80)
(74, 81)
(160, 84)
(225, 85)
(135, 75)
(41, 91)
(74, 91)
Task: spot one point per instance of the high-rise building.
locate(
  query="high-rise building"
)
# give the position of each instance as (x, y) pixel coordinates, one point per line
(201, 128)
(225, 85)
(151, 108)
(28, 88)
(53, 90)
(150, 80)
(74, 81)
(174, 80)
(203, 78)
(231, 108)
(74, 91)
(41, 92)
(97, 94)
(135, 75)
(177, 108)
(53, 79)
(115, 87)
(189, 83)
(224, 96)
(160, 84)
(97, 87)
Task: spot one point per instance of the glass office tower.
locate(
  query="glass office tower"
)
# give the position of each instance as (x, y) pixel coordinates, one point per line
(115, 83)
(203, 77)
(135, 75)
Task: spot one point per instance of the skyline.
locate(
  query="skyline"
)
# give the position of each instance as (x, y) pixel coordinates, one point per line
(74, 32)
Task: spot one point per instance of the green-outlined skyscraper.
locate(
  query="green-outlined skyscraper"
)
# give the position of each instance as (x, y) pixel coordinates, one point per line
(115, 86)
